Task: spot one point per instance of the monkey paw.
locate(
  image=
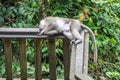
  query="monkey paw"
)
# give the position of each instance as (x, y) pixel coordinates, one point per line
(39, 33)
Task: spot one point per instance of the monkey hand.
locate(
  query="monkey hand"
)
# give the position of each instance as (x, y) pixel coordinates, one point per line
(39, 33)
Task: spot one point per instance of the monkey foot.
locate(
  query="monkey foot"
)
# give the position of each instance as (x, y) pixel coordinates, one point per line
(77, 42)
(74, 41)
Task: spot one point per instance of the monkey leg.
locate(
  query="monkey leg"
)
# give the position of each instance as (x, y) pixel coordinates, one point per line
(68, 34)
(52, 32)
(77, 36)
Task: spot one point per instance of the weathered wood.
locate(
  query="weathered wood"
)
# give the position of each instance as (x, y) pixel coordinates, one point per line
(66, 57)
(28, 79)
(8, 58)
(83, 77)
(20, 30)
(23, 60)
(86, 49)
(52, 59)
(72, 62)
(29, 36)
(79, 56)
(37, 46)
(24, 33)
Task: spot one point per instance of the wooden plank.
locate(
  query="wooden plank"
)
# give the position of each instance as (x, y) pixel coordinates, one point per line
(83, 77)
(66, 57)
(24, 33)
(79, 57)
(37, 46)
(28, 79)
(86, 51)
(52, 59)
(13, 30)
(16, 35)
(72, 62)
(23, 60)
(8, 58)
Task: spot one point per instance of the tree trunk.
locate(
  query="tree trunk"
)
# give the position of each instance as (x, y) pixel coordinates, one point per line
(43, 8)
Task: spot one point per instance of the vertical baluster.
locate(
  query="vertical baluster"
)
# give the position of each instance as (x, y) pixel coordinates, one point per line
(72, 62)
(37, 46)
(23, 59)
(66, 57)
(86, 51)
(52, 59)
(8, 58)
(79, 57)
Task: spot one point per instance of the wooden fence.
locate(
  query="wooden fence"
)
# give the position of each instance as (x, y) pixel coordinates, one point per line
(7, 34)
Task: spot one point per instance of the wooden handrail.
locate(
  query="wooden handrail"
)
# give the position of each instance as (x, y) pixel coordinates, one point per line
(24, 33)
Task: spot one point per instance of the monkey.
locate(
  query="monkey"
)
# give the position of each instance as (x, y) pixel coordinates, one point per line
(70, 28)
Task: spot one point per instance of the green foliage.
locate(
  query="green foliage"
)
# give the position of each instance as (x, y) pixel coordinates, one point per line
(21, 14)
(102, 16)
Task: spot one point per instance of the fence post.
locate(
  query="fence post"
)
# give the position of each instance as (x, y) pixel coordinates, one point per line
(8, 58)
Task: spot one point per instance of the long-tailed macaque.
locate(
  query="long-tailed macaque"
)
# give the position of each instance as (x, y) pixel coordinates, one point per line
(71, 28)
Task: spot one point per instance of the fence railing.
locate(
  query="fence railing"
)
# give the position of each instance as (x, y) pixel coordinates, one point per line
(7, 34)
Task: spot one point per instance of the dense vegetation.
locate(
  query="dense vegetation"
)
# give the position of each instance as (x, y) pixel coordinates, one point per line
(102, 16)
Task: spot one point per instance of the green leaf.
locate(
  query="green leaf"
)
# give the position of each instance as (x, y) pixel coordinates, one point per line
(106, 17)
(21, 10)
(44, 49)
(1, 20)
(99, 23)
(112, 74)
(30, 18)
(4, 10)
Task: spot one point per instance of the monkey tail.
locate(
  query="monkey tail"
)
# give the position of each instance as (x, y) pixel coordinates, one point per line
(94, 41)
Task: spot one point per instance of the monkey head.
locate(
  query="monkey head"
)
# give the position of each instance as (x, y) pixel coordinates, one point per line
(42, 25)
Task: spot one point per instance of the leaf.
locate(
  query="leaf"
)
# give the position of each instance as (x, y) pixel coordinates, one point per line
(20, 25)
(103, 78)
(1, 20)
(44, 49)
(81, 17)
(3, 69)
(99, 23)
(106, 17)
(4, 10)
(21, 10)
(34, 4)
(30, 18)
(112, 74)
